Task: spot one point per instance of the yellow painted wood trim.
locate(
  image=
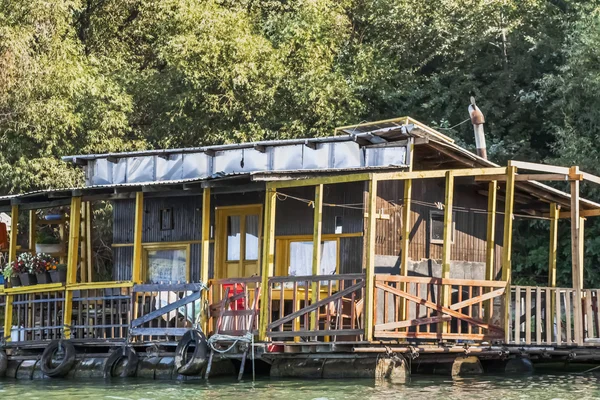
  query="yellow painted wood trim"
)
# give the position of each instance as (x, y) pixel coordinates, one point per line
(14, 229)
(32, 231)
(68, 314)
(370, 261)
(8, 315)
(321, 180)
(48, 287)
(447, 245)
(402, 175)
(100, 285)
(268, 257)
(137, 237)
(317, 237)
(552, 253)
(164, 246)
(204, 264)
(73, 250)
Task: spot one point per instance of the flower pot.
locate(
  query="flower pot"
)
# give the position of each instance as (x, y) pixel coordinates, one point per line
(27, 279)
(15, 281)
(48, 248)
(58, 276)
(42, 278)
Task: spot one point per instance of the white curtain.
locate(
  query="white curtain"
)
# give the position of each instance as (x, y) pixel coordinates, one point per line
(251, 237)
(233, 238)
(301, 254)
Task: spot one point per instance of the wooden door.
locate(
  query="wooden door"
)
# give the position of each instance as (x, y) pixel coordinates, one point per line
(238, 231)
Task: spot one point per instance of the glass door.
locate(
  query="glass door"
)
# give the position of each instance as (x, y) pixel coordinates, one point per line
(238, 241)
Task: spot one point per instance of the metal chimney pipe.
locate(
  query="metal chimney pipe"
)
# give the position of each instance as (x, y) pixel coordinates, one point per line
(477, 119)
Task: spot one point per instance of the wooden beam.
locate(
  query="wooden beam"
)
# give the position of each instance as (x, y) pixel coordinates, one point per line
(311, 181)
(402, 175)
(8, 317)
(74, 233)
(268, 259)
(137, 273)
(529, 166)
(370, 261)
(32, 231)
(14, 230)
(406, 228)
(490, 239)
(576, 258)
(554, 212)
(316, 260)
(531, 177)
(447, 243)
(205, 236)
(88, 240)
(582, 213)
(507, 243)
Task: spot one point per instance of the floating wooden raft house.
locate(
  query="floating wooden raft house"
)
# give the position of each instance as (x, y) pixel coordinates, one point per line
(384, 243)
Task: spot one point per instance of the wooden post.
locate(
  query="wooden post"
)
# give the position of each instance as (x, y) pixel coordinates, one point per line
(88, 241)
(268, 259)
(32, 231)
(316, 260)
(136, 274)
(370, 261)
(406, 228)
(447, 244)
(8, 314)
(507, 244)
(205, 235)
(554, 213)
(491, 241)
(83, 243)
(73, 250)
(14, 229)
(576, 254)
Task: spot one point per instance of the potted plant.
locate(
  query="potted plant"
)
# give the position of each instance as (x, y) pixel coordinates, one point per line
(41, 265)
(58, 272)
(47, 243)
(9, 276)
(23, 267)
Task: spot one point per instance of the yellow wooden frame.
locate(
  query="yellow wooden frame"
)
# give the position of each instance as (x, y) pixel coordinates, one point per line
(282, 244)
(165, 246)
(221, 214)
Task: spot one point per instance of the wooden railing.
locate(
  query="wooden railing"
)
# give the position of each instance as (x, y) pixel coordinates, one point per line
(414, 307)
(164, 311)
(37, 316)
(101, 313)
(554, 316)
(329, 306)
(237, 319)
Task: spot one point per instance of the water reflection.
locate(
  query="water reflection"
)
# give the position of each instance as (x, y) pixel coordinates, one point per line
(539, 386)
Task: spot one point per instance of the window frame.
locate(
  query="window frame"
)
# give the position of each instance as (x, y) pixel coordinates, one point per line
(430, 227)
(166, 246)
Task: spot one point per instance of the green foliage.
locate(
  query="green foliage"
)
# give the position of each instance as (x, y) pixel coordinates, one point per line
(88, 76)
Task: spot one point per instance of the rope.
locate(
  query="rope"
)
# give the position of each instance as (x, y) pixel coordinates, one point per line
(452, 127)
(246, 338)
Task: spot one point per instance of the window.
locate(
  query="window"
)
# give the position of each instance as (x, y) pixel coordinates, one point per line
(301, 254)
(436, 227)
(168, 264)
(234, 232)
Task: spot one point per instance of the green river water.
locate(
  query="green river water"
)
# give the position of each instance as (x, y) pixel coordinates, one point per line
(537, 386)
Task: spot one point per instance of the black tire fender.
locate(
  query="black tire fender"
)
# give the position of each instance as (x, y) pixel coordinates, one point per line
(3, 363)
(193, 365)
(65, 365)
(129, 367)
